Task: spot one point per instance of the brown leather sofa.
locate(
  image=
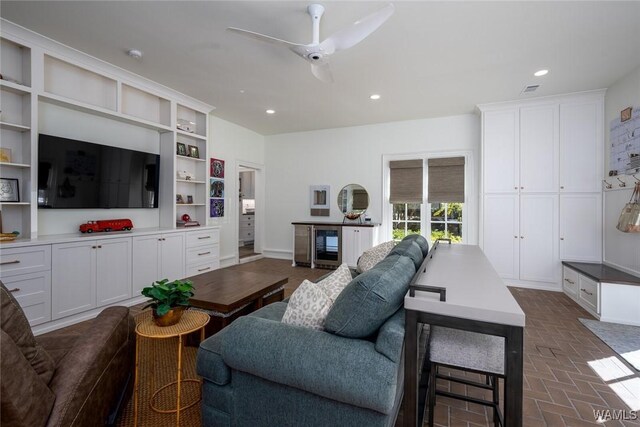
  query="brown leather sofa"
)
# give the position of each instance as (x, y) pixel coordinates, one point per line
(63, 379)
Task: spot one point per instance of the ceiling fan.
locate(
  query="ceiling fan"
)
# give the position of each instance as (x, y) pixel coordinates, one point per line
(316, 52)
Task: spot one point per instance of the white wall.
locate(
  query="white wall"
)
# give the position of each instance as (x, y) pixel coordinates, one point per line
(234, 144)
(620, 249)
(341, 156)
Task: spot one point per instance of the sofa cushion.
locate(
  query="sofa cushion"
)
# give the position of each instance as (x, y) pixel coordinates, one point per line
(308, 306)
(371, 257)
(391, 337)
(420, 241)
(409, 249)
(371, 298)
(335, 282)
(26, 399)
(209, 363)
(17, 327)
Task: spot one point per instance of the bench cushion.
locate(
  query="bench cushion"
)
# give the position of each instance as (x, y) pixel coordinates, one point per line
(467, 350)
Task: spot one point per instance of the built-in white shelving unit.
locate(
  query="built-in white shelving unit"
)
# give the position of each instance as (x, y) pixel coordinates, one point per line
(37, 73)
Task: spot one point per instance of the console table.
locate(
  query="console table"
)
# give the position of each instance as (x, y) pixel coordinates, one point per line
(464, 292)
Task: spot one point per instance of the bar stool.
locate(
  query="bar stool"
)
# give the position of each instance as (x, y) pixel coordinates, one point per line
(467, 351)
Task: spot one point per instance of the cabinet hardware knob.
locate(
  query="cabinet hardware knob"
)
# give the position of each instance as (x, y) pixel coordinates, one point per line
(515, 188)
(14, 290)
(522, 188)
(562, 187)
(204, 253)
(522, 237)
(204, 237)
(515, 237)
(99, 246)
(159, 240)
(15, 261)
(204, 269)
(562, 238)
(570, 281)
(586, 292)
(93, 247)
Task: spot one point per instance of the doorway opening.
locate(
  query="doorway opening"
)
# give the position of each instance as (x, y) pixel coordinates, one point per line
(247, 212)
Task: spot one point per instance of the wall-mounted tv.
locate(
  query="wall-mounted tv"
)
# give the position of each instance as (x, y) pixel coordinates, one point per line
(83, 175)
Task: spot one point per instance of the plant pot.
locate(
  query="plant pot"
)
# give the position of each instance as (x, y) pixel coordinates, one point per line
(169, 319)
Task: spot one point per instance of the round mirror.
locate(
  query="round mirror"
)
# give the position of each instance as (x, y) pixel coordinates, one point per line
(353, 201)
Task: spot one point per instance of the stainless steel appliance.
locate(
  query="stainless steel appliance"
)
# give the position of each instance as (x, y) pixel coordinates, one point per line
(302, 245)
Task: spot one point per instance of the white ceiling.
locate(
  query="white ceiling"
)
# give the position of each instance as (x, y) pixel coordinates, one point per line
(429, 59)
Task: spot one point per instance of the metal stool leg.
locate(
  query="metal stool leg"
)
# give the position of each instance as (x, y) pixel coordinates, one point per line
(433, 370)
(496, 400)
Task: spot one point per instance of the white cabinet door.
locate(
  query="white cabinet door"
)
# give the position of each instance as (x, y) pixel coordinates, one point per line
(581, 147)
(113, 270)
(172, 256)
(146, 262)
(500, 151)
(500, 233)
(539, 260)
(539, 149)
(350, 244)
(581, 227)
(33, 293)
(73, 278)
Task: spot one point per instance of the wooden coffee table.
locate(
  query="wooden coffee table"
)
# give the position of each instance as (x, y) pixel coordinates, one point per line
(227, 294)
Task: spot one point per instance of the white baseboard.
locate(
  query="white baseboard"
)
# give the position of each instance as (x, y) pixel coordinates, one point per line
(554, 287)
(81, 317)
(247, 259)
(227, 261)
(278, 254)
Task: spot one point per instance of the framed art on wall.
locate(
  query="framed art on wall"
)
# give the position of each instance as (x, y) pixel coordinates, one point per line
(9, 190)
(216, 208)
(319, 200)
(216, 188)
(217, 168)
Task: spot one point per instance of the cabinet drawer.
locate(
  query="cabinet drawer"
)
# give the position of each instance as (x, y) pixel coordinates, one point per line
(570, 281)
(33, 293)
(25, 260)
(194, 270)
(246, 234)
(589, 292)
(202, 238)
(202, 254)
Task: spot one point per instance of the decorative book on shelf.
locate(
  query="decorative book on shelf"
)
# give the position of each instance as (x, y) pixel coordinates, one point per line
(180, 223)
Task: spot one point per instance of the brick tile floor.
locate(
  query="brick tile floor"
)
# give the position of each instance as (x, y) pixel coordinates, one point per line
(560, 387)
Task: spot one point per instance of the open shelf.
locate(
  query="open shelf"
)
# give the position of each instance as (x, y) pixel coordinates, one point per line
(14, 87)
(14, 165)
(190, 158)
(190, 204)
(5, 204)
(145, 106)
(15, 65)
(191, 135)
(15, 127)
(98, 111)
(190, 181)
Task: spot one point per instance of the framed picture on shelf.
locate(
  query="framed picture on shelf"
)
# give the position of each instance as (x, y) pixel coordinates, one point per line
(194, 152)
(179, 199)
(189, 199)
(216, 208)
(217, 168)
(182, 149)
(9, 190)
(5, 155)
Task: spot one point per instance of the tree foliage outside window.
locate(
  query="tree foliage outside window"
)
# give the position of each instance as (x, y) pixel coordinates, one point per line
(445, 221)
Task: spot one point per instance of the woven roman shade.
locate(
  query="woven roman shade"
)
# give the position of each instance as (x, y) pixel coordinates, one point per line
(406, 181)
(446, 180)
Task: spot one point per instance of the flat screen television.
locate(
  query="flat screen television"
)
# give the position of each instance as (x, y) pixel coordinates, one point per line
(83, 175)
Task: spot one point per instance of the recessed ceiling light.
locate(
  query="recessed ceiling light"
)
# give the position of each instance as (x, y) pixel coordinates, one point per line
(241, 90)
(375, 96)
(540, 73)
(270, 111)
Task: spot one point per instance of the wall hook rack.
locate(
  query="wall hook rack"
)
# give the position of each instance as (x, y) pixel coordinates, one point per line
(607, 186)
(622, 183)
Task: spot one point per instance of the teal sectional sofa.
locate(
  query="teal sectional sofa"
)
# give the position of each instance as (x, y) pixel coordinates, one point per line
(261, 372)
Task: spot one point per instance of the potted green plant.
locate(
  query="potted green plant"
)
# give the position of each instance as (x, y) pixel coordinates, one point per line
(168, 300)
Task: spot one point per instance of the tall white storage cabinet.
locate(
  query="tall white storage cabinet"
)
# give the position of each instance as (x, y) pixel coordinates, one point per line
(541, 177)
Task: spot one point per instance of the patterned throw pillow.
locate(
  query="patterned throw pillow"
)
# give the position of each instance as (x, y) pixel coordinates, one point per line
(333, 284)
(308, 306)
(372, 256)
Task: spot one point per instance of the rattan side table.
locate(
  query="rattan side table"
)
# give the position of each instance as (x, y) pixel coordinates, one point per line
(191, 321)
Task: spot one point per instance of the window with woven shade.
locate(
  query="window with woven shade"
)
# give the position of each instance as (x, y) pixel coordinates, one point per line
(446, 180)
(406, 181)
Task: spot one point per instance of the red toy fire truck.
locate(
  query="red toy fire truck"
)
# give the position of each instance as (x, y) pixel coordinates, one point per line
(106, 225)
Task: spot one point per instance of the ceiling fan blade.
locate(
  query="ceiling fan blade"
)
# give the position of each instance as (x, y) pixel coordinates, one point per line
(322, 71)
(356, 32)
(263, 38)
